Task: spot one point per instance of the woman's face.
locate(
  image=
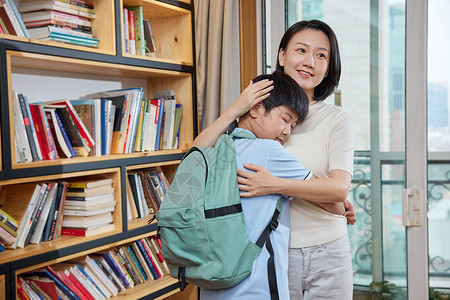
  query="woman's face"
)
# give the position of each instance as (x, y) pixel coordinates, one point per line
(306, 59)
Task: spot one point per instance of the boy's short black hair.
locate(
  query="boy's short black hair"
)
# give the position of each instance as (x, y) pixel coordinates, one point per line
(287, 92)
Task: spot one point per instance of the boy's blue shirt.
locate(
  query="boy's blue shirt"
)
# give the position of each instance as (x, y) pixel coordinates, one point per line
(258, 211)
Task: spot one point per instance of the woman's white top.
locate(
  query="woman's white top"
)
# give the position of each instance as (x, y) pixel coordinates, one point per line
(323, 142)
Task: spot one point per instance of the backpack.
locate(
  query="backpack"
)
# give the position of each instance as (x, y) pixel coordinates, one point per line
(201, 224)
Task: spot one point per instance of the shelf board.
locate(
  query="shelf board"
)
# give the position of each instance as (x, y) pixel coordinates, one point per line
(137, 223)
(79, 66)
(156, 9)
(71, 46)
(61, 242)
(78, 160)
(159, 59)
(147, 288)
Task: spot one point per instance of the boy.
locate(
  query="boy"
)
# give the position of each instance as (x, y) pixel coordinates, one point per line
(271, 122)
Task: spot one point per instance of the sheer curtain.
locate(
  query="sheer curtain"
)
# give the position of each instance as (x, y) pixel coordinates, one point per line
(217, 53)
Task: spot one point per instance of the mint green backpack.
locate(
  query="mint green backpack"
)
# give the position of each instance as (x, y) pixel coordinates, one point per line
(201, 223)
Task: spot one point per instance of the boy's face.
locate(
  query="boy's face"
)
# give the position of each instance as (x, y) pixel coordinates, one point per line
(277, 124)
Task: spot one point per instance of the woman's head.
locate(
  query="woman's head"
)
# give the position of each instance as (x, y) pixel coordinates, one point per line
(309, 53)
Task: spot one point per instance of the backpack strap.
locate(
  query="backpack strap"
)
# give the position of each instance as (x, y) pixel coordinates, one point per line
(265, 239)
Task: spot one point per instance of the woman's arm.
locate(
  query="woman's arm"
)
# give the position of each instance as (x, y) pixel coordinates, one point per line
(251, 95)
(333, 188)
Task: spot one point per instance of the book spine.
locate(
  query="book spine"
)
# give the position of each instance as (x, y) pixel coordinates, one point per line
(83, 131)
(51, 140)
(28, 127)
(35, 217)
(18, 17)
(115, 268)
(150, 263)
(121, 264)
(131, 30)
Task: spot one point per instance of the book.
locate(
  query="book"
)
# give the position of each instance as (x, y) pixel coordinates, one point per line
(29, 126)
(7, 24)
(97, 281)
(51, 16)
(138, 29)
(53, 213)
(150, 49)
(140, 132)
(96, 191)
(124, 261)
(141, 260)
(133, 264)
(27, 289)
(89, 231)
(24, 148)
(50, 273)
(120, 274)
(47, 285)
(43, 195)
(148, 259)
(131, 33)
(125, 255)
(125, 30)
(36, 237)
(6, 237)
(76, 118)
(56, 6)
(56, 230)
(131, 205)
(63, 146)
(14, 18)
(89, 111)
(86, 213)
(159, 119)
(45, 139)
(114, 255)
(176, 129)
(148, 195)
(95, 268)
(156, 249)
(89, 183)
(85, 282)
(111, 274)
(79, 144)
(8, 223)
(85, 222)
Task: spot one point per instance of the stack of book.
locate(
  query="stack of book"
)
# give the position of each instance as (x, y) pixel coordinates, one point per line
(10, 20)
(59, 20)
(40, 216)
(146, 191)
(138, 36)
(88, 207)
(98, 276)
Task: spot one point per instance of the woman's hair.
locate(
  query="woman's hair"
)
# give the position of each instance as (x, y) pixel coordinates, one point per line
(286, 92)
(331, 81)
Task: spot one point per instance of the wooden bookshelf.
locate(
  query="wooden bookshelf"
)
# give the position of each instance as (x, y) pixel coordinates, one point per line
(45, 61)
(171, 27)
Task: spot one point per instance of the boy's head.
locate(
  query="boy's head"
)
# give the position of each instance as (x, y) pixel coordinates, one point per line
(277, 115)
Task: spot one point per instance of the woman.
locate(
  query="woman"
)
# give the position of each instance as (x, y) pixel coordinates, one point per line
(319, 256)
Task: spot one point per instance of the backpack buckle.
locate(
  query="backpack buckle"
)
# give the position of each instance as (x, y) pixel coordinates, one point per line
(273, 224)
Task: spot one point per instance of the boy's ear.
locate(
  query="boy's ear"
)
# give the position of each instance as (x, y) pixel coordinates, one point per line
(255, 111)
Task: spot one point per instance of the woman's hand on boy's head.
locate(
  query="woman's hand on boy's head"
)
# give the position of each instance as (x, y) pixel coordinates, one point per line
(253, 94)
(257, 183)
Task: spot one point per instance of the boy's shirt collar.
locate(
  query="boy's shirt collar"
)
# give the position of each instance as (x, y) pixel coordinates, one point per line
(237, 129)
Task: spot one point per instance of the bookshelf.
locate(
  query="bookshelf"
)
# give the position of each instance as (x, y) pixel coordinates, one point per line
(59, 68)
